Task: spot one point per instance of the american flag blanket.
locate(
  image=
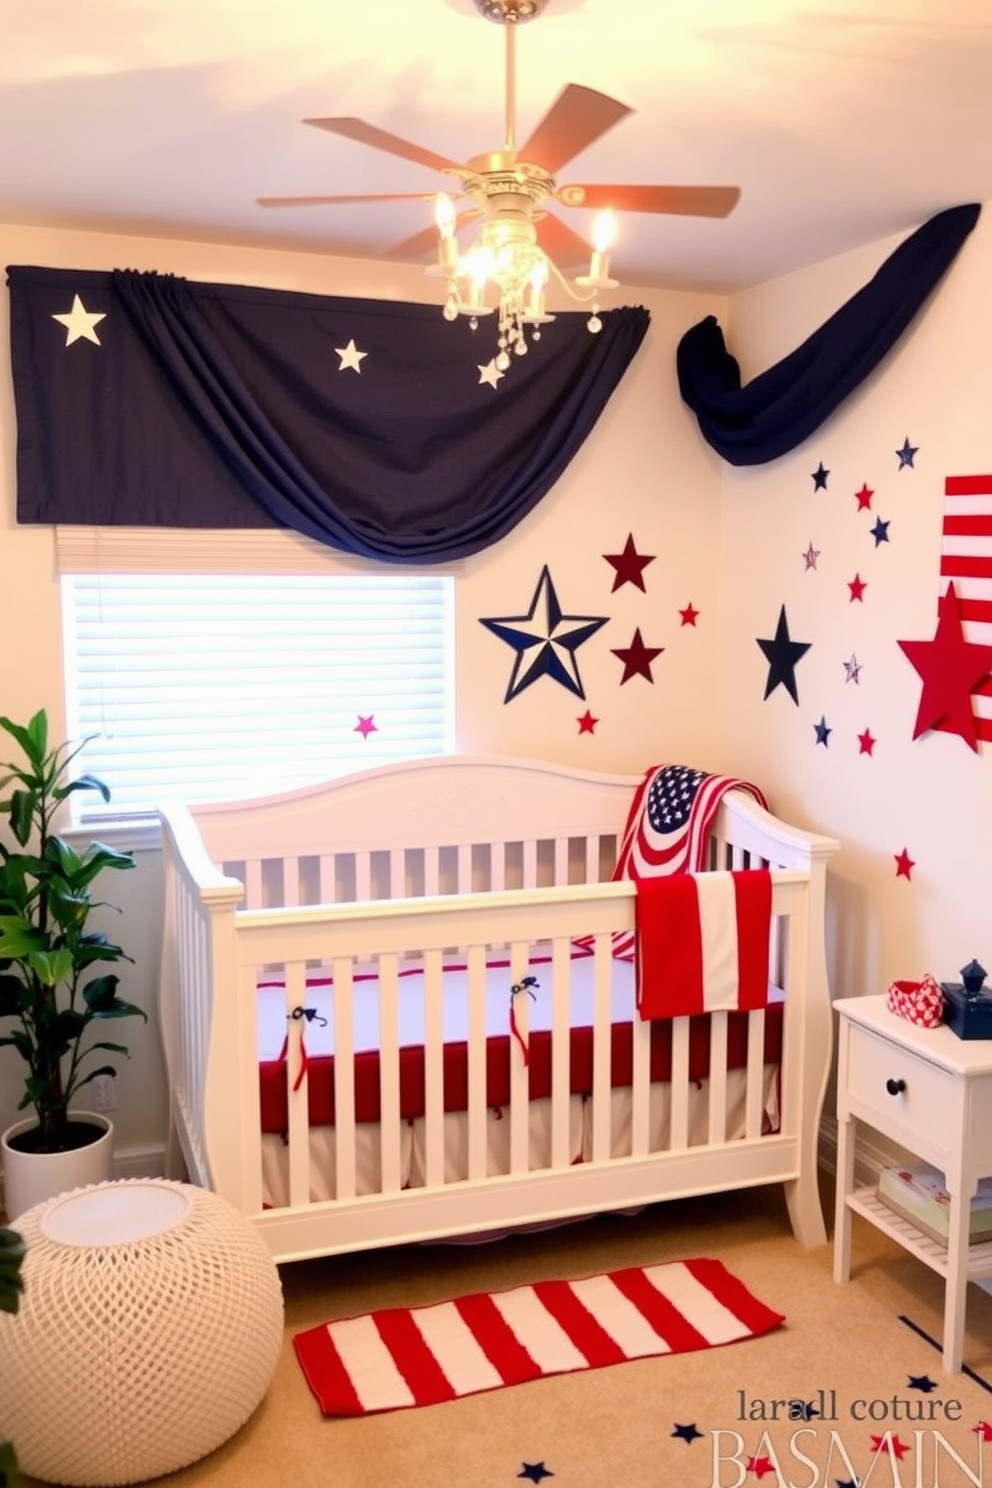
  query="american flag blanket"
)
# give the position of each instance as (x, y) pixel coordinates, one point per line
(697, 936)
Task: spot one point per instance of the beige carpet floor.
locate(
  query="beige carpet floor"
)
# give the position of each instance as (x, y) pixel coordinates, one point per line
(615, 1426)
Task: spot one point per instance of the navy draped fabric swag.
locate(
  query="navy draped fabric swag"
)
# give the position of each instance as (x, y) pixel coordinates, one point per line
(781, 407)
(145, 399)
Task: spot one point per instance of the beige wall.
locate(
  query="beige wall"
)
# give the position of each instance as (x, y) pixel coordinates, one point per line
(728, 541)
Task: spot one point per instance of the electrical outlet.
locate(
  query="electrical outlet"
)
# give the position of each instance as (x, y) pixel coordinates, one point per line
(104, 1094)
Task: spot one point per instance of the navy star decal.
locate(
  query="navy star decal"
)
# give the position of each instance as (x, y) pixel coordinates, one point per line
(783, 655)
(545, 640)
(535, 1471)
(819, 478)
(907, 454)
(922, 1382)
(688, 1433)
(880, 532)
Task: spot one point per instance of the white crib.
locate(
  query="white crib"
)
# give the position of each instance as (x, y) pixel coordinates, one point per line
(394, 900)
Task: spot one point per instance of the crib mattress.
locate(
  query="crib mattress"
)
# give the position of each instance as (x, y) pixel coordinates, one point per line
(318, 1033)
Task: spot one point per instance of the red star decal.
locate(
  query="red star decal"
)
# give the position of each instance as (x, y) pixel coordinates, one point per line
(890, 1443)
(629, 565)
(366, 726)
(760, 1466)
(857, 586)
(689, 615)
(863, 498)
(867, 742)
(951, 668)
(984, 1431)
(904, 864)
(637, 658)
(587, 724)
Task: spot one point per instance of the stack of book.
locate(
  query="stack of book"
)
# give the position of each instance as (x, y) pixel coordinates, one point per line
(918, 1194)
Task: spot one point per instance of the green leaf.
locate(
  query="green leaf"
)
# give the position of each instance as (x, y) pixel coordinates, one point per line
(84, 783)
(9, 1476)
(11, 1256)
(19, 939)
(52, 967)
(22, 804)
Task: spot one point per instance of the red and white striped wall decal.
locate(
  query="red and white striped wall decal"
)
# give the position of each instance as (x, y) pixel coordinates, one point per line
(402, 1357)
(966, 558)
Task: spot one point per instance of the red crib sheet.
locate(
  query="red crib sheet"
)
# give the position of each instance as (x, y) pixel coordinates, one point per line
(500, 1045)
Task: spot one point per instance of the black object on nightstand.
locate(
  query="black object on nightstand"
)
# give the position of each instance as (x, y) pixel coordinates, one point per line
(968, 1005)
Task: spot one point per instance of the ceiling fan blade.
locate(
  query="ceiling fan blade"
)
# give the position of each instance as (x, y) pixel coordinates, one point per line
(417, 247)
(678, 201)
(381, 139)
(562, 243)
(340, 201)
(574, 121)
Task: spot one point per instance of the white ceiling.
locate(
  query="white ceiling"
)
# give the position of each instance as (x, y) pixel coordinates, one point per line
(843, 121)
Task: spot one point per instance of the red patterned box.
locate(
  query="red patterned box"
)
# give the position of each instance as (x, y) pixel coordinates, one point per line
(921, 1003)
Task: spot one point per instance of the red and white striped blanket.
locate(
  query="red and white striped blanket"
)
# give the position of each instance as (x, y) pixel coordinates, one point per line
(702, 937)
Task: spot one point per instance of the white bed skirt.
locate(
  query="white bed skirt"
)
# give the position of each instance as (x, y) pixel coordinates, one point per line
(275, 1179)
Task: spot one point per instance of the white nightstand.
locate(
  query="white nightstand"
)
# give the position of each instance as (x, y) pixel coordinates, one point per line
(931, 1092)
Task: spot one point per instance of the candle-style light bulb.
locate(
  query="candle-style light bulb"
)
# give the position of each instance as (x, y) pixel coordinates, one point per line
(447, 243)
(604, 231)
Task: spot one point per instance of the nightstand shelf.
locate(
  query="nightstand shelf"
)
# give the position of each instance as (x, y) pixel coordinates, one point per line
(930, 1092)
(931, 1252)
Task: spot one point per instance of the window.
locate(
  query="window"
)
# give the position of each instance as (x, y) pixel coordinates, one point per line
(217, 685)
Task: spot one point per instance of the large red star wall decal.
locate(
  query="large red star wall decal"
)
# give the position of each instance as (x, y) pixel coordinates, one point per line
(904, 864)
(637, 658)
(951, 669)
(629, 565)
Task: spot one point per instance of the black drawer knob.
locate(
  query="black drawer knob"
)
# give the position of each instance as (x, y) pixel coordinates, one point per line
(895, 1087)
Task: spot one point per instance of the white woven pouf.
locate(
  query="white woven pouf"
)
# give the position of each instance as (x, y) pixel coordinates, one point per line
(148, 1332)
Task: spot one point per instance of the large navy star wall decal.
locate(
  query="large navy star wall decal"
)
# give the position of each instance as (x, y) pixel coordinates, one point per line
(783, 654)
(544, 640)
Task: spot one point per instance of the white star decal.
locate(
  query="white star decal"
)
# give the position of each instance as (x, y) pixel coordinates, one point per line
(490, 373)
(351, 357)
(80, 322)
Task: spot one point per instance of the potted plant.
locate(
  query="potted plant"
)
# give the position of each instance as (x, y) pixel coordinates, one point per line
(52, 987)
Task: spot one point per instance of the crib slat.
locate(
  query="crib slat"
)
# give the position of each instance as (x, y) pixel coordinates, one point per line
(432, 870)
(433, 1070)
(390, 1130)
(754, 1098)
(344, 1077)
(519, 1077)
(291, 882)
(477, 1108)
(253, 884)
(530, 864)
(396, 888)
(363, 876)
(717, 1114)
(640, 1115)
(463, 868)
(680, 1085)
(297, 1134)
(561, 860)
(561, 970)
(601, 1094)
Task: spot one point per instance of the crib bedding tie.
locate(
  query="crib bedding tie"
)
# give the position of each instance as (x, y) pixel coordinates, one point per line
(526, 984)
(311, 1015)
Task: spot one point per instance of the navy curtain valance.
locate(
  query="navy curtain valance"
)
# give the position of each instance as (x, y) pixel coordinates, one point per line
(781, 407)
(144, 399)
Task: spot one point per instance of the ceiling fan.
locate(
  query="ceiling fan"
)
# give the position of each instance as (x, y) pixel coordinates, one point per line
(513, 186)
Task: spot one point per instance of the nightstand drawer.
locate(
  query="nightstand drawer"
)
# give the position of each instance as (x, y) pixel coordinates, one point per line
(909, 1096)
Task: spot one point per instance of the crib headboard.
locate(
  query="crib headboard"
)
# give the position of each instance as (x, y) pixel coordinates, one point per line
(456, 824)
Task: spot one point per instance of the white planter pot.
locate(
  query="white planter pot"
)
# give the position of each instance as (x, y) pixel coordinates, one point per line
(30, 1178)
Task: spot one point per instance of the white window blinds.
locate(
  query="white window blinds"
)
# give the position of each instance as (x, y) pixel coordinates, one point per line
(218, 685)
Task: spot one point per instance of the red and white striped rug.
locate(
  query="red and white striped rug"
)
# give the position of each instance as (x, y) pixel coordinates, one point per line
(408, 1356)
